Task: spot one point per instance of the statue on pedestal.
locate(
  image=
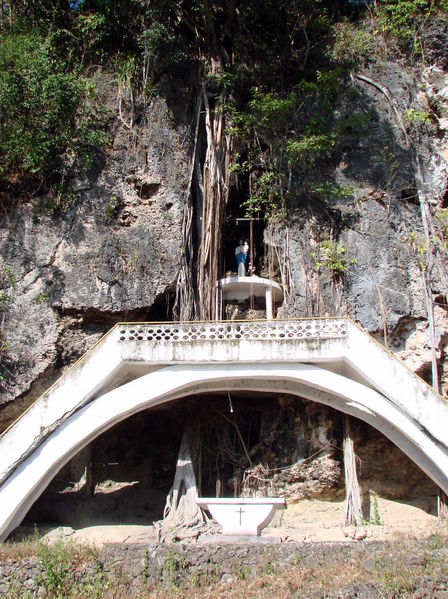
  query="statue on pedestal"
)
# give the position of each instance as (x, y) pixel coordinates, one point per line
(241, 257)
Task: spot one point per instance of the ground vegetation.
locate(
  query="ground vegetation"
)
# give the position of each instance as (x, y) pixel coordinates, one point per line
(400, 568)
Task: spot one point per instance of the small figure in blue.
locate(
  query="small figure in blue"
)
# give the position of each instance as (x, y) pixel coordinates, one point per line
(241, 257)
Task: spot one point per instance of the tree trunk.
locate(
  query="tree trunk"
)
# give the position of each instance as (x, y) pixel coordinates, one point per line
(181, 509)
(353, 512)
(442, 506)
(184, 306)
(215, 175)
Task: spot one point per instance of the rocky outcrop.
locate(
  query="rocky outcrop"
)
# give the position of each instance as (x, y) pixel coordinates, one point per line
(109, 252)
(361, 250)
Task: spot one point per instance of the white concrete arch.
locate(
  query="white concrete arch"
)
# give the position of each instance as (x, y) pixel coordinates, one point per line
(29, 479)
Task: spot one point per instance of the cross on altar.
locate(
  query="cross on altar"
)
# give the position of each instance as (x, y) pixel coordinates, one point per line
(258, 512)
(240, 511)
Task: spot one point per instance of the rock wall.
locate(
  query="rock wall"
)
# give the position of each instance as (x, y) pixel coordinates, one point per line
(109, 252)
(112, 250)
(317, 568)
(364, 255)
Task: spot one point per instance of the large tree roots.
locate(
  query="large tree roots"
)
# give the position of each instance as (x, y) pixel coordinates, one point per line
(182, 517)
(353, 513)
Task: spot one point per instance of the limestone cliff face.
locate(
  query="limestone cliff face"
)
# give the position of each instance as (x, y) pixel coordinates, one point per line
(365, 255)
(114, 252)
(111, 253)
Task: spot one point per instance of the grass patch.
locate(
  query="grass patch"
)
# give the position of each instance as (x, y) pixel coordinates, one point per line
(395, 568)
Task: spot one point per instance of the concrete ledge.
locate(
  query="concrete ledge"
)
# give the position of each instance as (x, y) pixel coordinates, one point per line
(235, 539)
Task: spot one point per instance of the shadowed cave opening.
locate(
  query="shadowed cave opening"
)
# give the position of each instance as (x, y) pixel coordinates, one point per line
(237, 226)
(272, 445)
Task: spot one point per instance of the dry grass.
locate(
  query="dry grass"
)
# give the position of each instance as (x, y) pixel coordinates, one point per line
(12, 550)
(401, 568)
(398, 569)
(33, 546)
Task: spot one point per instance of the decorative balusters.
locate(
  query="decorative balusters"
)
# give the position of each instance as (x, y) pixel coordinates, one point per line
(291, 330)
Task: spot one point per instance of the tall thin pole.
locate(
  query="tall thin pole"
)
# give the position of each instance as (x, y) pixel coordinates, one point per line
(251, 242)
(251, 261)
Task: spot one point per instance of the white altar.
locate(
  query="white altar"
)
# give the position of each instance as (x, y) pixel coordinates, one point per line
(240, 515)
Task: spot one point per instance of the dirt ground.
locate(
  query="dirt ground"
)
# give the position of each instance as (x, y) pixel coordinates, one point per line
(307, 521)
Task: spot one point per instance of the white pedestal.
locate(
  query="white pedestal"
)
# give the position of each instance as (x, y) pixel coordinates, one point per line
(242, 516)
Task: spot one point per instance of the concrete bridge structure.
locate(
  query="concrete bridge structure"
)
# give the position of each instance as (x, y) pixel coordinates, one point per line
(137, 366)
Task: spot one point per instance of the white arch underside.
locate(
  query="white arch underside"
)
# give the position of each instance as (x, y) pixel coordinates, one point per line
(34, 474)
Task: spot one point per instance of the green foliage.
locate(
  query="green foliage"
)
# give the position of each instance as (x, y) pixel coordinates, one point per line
(270, 112)
(5, 344)
(330, 83)
(5, 300)
(305, 151)
(274, 150)
(242, 572)
(10, 277)
(420, 249)
(104, 27)
(46, 112)
(398, 15)
(58, 197)
(352, 43)
(326, 189)
(356, 123)
(406, 19)
(269, 569)
(92, 29)
(443, 218)
(376, 512)
(226, 80)
(40, 298)
(417, 117)
(127, 71)
(161, 48)
(173, 566)
(332, 257)
(113, 208)
(266, 198)
(55, 560)
(60, 560)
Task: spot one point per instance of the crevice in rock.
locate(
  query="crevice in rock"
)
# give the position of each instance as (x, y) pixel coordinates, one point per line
(159, 310)
(444, 202)
(147, 190)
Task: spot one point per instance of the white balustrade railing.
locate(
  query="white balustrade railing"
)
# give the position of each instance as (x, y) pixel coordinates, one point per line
(306, 329)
